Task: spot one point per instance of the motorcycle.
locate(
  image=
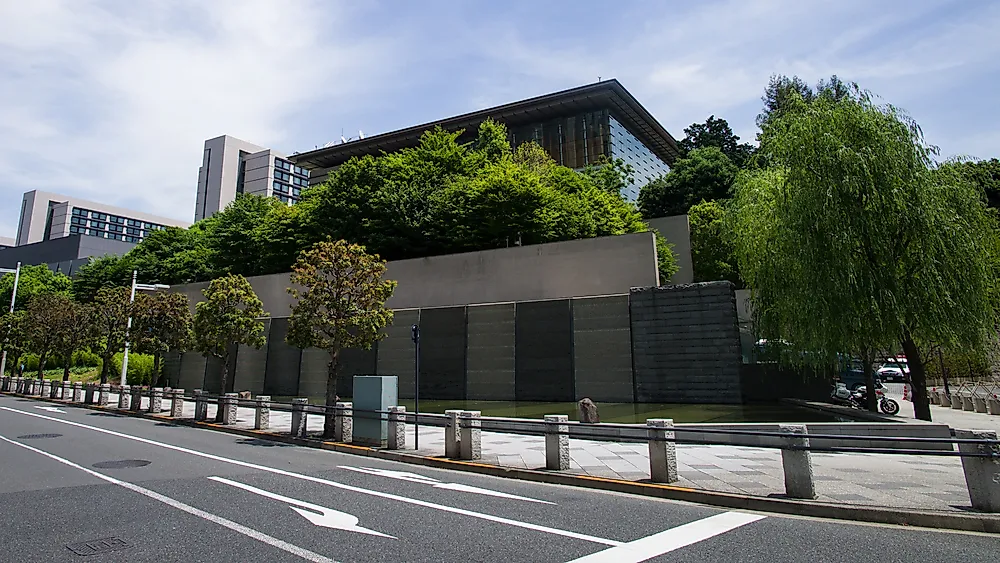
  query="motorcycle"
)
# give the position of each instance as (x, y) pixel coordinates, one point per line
(858, 399)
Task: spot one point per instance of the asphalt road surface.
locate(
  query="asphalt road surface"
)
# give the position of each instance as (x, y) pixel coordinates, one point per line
(82, 485)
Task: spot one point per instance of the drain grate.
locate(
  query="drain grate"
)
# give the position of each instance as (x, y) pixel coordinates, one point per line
(38, 436)
(95, 547)
(121, 463)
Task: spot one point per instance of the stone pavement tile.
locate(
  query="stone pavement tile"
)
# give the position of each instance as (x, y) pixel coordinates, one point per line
(848, 497)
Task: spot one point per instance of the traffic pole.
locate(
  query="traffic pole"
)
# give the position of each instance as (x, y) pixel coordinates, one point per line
(128, 327)
(13, 297)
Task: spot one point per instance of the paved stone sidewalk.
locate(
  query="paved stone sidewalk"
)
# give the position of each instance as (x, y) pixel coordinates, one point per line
(902, 481)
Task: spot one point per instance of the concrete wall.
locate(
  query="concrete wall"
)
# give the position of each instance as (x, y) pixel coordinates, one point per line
(192, 371)
(602, 349)
(686, 344)
(676, 229)
(251, 365)
(490, 352)
(396, 351)
(543, 332)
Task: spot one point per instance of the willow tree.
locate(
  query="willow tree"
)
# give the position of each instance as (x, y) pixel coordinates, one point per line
(341, 305)
(851, 243)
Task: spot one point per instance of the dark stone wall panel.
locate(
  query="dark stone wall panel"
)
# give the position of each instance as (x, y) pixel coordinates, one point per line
(283, 362)
(544, 345)
(602, 349)
(442, 353)
(395, 351)
(490, 352)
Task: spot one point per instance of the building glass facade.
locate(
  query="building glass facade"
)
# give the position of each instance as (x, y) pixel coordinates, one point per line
(289, 181)
(104, 225)
(581, 140)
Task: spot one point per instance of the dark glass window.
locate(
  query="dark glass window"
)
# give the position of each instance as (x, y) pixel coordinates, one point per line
(79, 212)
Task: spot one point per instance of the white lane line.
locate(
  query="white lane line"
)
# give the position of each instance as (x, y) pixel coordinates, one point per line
(320, 515)
(423, 480)
(672, 539)
(249, 532)
(425, 504)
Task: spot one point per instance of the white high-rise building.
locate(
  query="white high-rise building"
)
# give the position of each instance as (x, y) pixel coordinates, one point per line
(230, 166)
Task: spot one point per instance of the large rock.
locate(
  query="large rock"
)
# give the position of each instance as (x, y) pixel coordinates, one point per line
(588, 411)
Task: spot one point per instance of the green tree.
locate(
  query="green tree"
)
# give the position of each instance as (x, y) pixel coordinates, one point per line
(610, 175)
(109, 271)
(783, 93)
(34, 281)
(174, 255)
(983, 173)
(712, 254)
(341, 305)
(42, 325)
(229, 316)
(111, 309)
(715, 132)
(13, 337)
(74, 330)
(162, 323)
(705, 174)
(850, 243)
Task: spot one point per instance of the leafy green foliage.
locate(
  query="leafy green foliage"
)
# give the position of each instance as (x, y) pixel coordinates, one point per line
(171, 256)
(162, 323)
(712, 253)
(610, 175)
(341, 304)
(13, 337)
(666, 260)
(230, 315)
(72, 327)
(705, 174)
(985, 174)
(43, 324)
(34, 281)
(110, 271)
(851, 243)
(111, 308)
(715, 132)
(783, 93)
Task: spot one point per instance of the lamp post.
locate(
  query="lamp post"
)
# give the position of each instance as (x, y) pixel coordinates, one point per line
(415, 334)
(13, 297)
(128, 327)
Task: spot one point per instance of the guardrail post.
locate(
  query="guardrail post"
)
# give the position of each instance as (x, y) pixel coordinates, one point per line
(662, 454)
(993, 405)
(228, 403)
(262, 413)
(54, 389)
(156, 400)
(343, 423)
(29, 386)
(177, 403)
(4, 383)
(46, 387)
(299, 417)
(77, 392)
(66, 393)
(103, 393)
(968, 404)
(452, 436)
(556, 441)
(19, 385)
(796, 463)
(88, 393)
(136, 404)
(979, 403)
(124, 397)
(397, 428)
(200, 405)
(982, 474)
(470, 435)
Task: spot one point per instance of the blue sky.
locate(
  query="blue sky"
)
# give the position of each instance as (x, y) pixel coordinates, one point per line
(110, 101)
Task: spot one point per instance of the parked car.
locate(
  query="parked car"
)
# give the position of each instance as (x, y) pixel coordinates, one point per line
(893, 374)
(853, 376)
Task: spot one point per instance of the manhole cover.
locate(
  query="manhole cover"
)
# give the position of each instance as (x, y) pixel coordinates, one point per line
(38, 436)
(121, 463)
(94, 547)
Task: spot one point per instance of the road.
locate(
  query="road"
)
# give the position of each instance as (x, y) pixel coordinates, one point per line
(153, 491)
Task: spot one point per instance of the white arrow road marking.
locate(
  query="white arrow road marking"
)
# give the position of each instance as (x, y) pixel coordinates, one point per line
(379, 494)
(51, 409)
(326, 517)
(415, 478)
(249, 532)
(672, 539)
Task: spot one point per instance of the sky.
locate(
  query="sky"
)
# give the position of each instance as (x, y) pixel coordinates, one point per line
(112, 100)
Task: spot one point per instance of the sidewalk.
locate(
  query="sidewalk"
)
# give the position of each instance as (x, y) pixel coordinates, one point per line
(882, 480)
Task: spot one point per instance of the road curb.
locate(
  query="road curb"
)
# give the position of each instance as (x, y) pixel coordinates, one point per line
(971, 522)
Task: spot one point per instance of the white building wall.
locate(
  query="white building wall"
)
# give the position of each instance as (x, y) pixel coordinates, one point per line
(218, 174)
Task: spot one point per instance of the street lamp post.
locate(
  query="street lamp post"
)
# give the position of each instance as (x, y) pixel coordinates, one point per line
(13, 297)
(415, 335)
(128, 327)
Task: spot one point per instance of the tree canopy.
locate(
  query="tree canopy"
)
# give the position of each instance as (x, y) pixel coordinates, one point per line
(712, 253)
(34, 281)
(716, 132)
(705, 174)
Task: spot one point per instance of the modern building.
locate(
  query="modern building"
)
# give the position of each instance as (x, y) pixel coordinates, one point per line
(577, 127)
(230, 166)
(47, 216)
(65, 254)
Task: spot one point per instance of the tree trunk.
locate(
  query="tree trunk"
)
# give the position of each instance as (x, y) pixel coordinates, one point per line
(14, 367)
(66, 364)
(870, 399)
(157, 376)
(331, 392)
(222, 384)
(42, 358)
(918, 378)
(105, 369)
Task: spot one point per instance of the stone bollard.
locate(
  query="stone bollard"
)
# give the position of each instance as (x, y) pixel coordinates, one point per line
(470, 443)
(300, 418)
(993, 405)
(55, 389)
(200, 405)
(944, 399)
(397, 428)
(452, 436)
(228, 403)
(88, 393)
(956, 401)
(46, 388)
(982, 474)
(177, 403)
(156, 400)
(18, 385)
(77, 392)
(103, 394)
(124, 397)
(979, 403)
(968, 404)
(556, 441)
(662, 454)
(4, 383)
(262, 413)
(136, 398)
(29, 386)
(797, 464)
(343, 423)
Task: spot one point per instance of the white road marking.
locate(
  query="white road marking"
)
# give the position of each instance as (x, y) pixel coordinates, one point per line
(441, 507)
(249, 532)
(437, 484)
(672, 539)
(327, 517)
(51, 409)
